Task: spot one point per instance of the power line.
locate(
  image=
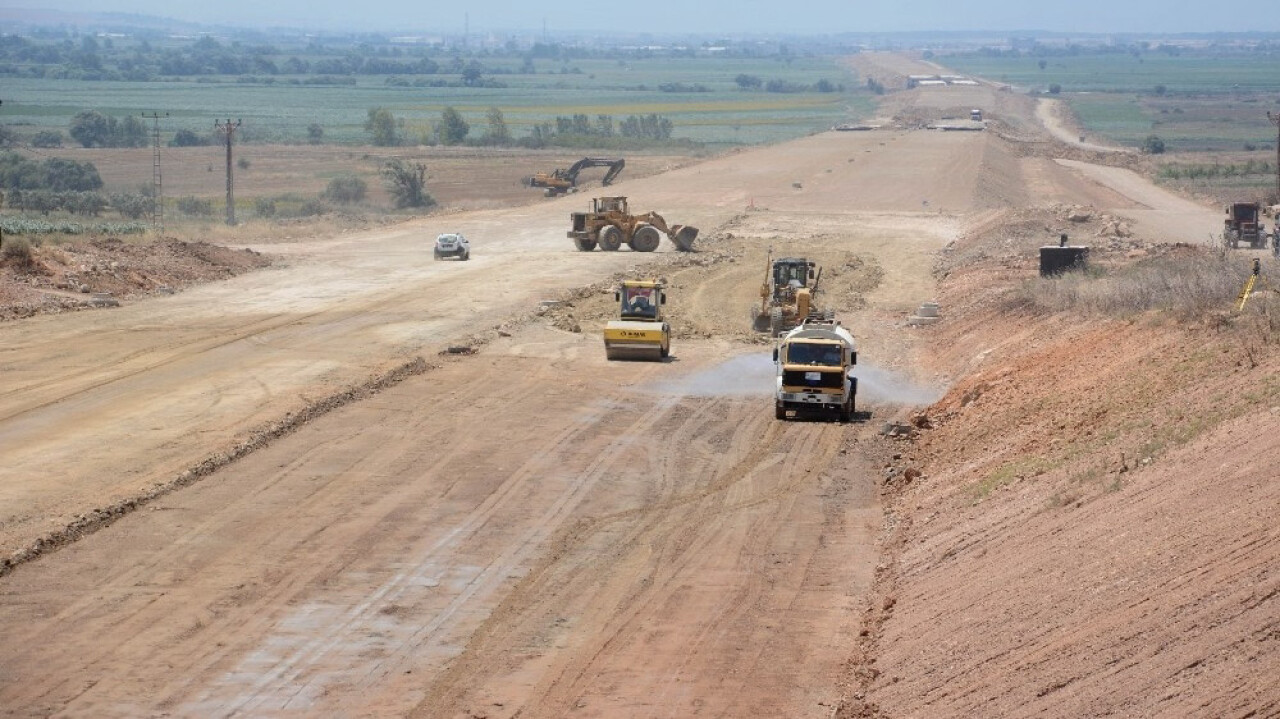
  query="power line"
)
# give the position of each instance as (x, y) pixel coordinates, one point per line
(1275, 120)
(228, 129)
(157, 186)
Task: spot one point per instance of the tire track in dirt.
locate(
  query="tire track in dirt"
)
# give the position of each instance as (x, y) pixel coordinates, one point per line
(98, 519)
(683, 525)
(309, 573)
(738, 605)
(275, 688)
(184, 350)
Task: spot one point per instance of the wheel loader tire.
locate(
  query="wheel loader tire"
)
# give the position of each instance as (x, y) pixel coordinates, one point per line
(775, 322)
(610, 238)
(646, 238)
(584, 244)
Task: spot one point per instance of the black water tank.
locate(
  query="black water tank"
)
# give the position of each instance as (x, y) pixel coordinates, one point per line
(1056, 260)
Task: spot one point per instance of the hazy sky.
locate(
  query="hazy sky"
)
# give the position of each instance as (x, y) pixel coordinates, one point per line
(709, 16)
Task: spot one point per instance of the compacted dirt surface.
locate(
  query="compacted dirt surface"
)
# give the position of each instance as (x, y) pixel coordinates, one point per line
(362, 483)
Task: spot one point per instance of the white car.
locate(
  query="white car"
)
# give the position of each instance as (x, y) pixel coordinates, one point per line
(452, 244)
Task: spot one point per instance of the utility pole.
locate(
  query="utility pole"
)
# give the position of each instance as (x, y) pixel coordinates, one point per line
(228, 129)
(1275, 120)
(157, 187)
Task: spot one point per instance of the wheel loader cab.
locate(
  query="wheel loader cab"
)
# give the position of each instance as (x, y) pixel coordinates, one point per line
(610, 204)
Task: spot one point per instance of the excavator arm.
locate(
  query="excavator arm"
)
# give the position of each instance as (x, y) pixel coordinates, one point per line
(615, 168)
(565, 180)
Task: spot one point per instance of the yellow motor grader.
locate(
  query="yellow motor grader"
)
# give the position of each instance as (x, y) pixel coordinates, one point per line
(640, 331)
(610, 224)
(786, 296)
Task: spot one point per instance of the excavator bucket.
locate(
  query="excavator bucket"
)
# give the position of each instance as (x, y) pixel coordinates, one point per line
(684, 236)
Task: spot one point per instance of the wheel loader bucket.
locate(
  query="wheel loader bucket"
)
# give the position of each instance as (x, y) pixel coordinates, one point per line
(684, 237)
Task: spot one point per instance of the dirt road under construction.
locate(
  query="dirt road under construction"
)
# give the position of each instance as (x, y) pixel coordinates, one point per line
(276, 495)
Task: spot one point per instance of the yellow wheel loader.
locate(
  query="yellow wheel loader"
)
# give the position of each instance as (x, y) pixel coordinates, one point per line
(639, 332)
(610, 224)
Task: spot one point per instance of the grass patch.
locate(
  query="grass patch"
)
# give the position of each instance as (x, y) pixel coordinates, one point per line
(1188, 284)
(1006, 474)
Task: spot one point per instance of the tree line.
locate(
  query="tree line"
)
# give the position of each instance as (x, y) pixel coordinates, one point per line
(386, 130)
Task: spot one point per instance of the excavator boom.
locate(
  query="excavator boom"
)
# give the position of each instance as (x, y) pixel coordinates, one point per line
(563, 181)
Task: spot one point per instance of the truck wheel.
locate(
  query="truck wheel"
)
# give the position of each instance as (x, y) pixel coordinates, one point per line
(778, 411)
(610, 238)
(846, 410)
(584, 244)
(645, 239)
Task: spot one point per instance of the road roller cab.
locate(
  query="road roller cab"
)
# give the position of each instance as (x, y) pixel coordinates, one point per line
(640, 332)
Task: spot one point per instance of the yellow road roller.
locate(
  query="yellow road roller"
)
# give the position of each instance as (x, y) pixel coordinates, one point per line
(639, 333)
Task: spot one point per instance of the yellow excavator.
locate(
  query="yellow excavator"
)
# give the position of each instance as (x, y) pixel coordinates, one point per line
(564, 181)
(640, 331)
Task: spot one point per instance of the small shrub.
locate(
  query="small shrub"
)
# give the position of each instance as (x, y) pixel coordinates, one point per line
(187, 138)
(243, 163)
(1153, 145)
(131, 206)
(311, 208)
(264, 207)
(18, 251)
(47, 138)
(195, 207)
(346, 189)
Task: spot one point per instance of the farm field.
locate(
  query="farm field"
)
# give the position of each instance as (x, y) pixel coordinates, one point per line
(274, 109)
(457, 177)
(1193, 102)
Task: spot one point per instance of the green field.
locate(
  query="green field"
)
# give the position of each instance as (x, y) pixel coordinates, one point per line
(1193, 101)
(281, 110)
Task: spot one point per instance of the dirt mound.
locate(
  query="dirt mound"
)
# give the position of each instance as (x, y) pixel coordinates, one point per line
(1080, 526)
(715, 292)
(100, 272)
